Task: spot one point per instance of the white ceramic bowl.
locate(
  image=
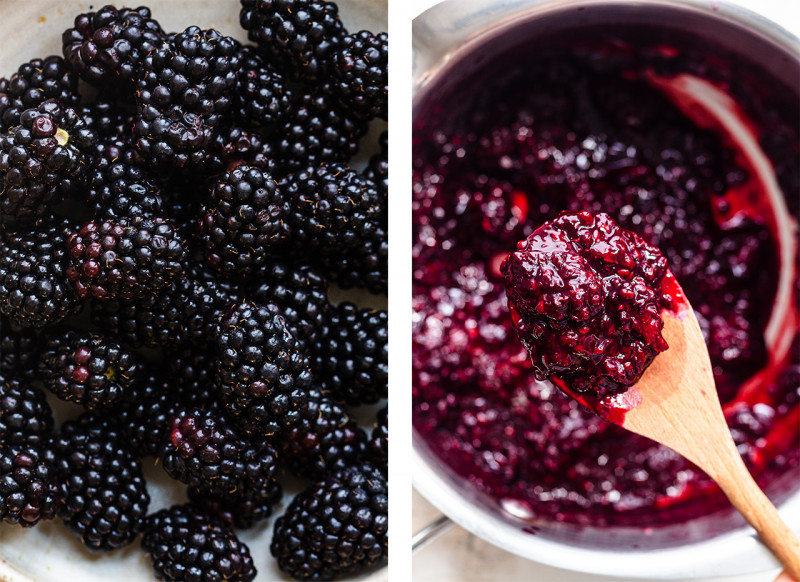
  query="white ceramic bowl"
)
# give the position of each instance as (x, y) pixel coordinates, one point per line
(451, 40)
(50, 552)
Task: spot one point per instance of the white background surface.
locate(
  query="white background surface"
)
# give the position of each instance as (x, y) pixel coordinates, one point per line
(457, 555)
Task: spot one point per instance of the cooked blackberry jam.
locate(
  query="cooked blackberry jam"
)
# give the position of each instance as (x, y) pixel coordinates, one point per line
(595, 121)
(586, 297)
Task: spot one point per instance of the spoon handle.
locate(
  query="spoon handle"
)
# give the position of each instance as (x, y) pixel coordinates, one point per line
(741, 489)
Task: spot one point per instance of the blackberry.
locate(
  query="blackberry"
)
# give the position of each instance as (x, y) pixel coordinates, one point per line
(243, 221)
(89, 369)
(104, 498)
(34, 290)
(317, 129)
(335, 527)
(42, 159)
(361, 74)
(334, 209)
(120, 185)
(29, 490)
(351, 355)
(377, 169)
(324, 441)
(204, 452)
(186, 90)
(239, 511)
(263, 375)
(301, 294)
(19, 349)
(25, 416)
(378, 445)
(34, 83)
(301, 35)
(186, 311)
(106, 48)
(109, 118)
(185, 544)
(366, 266)
(233, 146)
(125, 259)
(262, 98)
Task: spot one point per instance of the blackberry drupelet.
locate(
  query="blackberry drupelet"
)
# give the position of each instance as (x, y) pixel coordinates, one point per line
(263, 376)
(34, 290)
(262, 98)
(325, 440)
(89, 369)
(366, 266)
(19, 349)
(378, 445)
(301, 35)
(378, 168)
(185, 544)
(42, 159)
(106, 48)
(124, 259)
(239, 511)
(243, 222)
(351, 355)
(301, 294)
(120, 185)
(206, 453)
(361, 74)
(104, 498)
(186, 90)
(109, 118)
(186, 311)
(335, 527)
(25, 416)
(334, 209)
(234, 146)
(29, 490)
(317, 130)
(34, 83)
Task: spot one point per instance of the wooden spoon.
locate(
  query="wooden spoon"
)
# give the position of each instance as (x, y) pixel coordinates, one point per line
(675, 403)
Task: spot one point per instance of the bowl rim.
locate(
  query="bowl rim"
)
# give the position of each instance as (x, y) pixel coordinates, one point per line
(734, 553)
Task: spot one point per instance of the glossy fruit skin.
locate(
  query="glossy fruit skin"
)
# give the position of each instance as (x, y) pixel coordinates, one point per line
(29, 484)
(361, 74)
(25, 415)
(185, 544)
(335, 527)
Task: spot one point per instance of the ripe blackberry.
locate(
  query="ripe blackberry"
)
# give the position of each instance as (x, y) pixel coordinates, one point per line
(335, 527)
(34, 290)
(351, 355)
(378, 445)
(104, 498)
(317, 129)
(301, 35)
(186, 90)
(34, 83)
(119, 184)
(106, 48)
(243, 221)
(378, 168)
(185, 544)
(334, 209)
(262, 98)
(263, 375)
(25, 416)
(206, 453)
(19, 349)
(366, 266)
(325, 440)
(29, 489)
(109, 118)
(301, 294)
(125, 259)
(89, 369)
(239, 511)
(234, 146)
(361, 74)
(186, 311)
(42, 159)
